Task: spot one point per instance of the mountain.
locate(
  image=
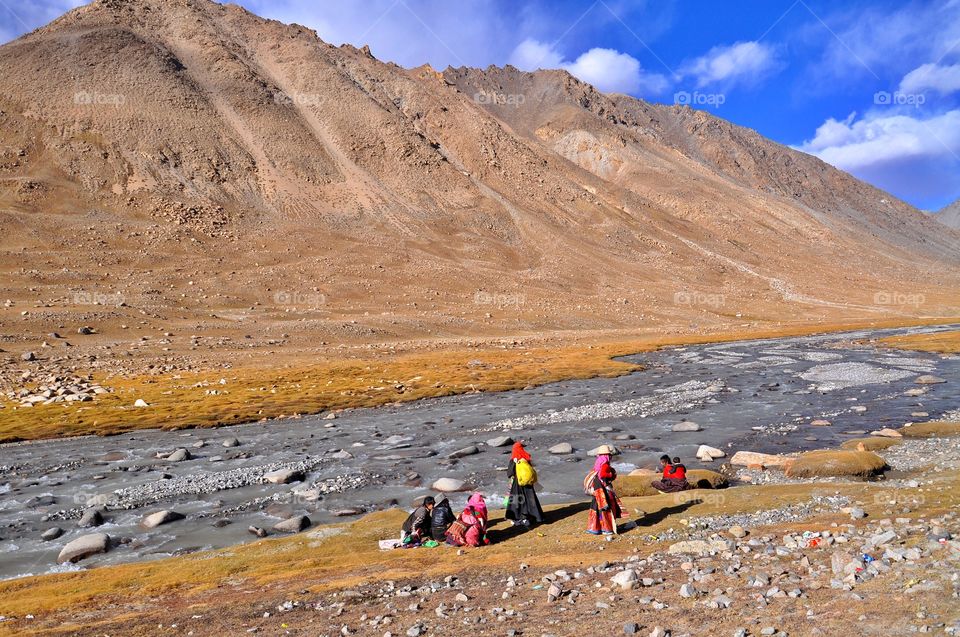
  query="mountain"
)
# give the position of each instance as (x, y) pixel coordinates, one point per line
(950, 215)
(219, 169)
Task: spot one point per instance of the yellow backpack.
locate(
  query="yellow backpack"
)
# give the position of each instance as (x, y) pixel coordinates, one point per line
(526, 474)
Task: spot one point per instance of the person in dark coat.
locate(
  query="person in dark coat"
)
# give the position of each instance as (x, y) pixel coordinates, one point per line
(523, 506)
(440, 519)
(416, 528)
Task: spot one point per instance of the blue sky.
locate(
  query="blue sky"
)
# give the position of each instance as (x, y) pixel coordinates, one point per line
(871, 87)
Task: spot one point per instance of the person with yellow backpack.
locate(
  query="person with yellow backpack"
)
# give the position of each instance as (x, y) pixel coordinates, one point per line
(523, 506)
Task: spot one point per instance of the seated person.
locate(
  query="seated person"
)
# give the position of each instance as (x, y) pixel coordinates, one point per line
(416, 528)
(468, 530)
(440, 519)
(674, 476)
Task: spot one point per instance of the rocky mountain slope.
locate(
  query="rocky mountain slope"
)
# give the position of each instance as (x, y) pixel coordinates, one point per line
(950, 215)
(212, 169)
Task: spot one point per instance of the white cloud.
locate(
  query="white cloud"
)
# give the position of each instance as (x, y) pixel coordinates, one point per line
(608, 70)
(876, 139)
(531, 55)
(943, 79)
(741, 62)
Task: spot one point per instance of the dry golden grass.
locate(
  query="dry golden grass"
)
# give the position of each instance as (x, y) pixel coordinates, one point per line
(931, 430)
(871, 443)
(639, 486)
(944, 342)
(826, 463)
(263, 391)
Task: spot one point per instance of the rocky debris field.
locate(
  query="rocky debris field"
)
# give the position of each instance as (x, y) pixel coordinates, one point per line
(853, 577)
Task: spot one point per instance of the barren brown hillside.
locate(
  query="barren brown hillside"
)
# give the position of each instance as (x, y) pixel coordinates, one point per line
(177, 168)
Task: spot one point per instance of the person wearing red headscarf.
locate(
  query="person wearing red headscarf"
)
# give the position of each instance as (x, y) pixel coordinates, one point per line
(523, 506)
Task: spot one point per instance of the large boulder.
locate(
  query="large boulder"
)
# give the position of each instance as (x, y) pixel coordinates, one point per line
(293, 525)
(83, 547)
(747, 458)
(929, 379)
(707, 453)
(449, 485)
(154, 520)
(284, 476)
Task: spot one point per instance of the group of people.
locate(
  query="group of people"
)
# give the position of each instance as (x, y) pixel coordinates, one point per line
(433, 522)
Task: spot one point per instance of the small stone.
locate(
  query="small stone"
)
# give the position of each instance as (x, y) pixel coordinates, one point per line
(856, 513)
(231, 442)
(707, 453)
(51, 534)
(631, 628)
(256, 530)
(820, 422)
(502, 441)
(554, 592)
(463, 453)
(687, 590)
(929, 379)
(561, 449)
(28, 356)
(686, 426)
(737, 531)
(625, 579)
(140, 402)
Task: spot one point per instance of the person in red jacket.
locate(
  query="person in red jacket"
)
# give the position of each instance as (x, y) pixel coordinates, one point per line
(674, 476)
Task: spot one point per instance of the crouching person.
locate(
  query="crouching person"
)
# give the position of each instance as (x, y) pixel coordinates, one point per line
(441, 518)
(416, 528)
(674, 476)
(470, 529)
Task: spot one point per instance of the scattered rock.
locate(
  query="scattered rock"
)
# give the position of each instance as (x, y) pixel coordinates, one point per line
(83, 547)
(856, 513)
(821, 423)
(28, 356)
(140, 402)
(463, 453)
(51, 534)
(686, 426)
(501, 441)
(699, 547)
(561, 449)
(179, 455)
(256, 530)
(929, 379)
(887, 433)
(90, 518)
(625, 579)
(231, 442)
(737, 532)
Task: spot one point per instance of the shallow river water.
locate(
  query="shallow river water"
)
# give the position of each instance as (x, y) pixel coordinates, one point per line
(758, 395)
